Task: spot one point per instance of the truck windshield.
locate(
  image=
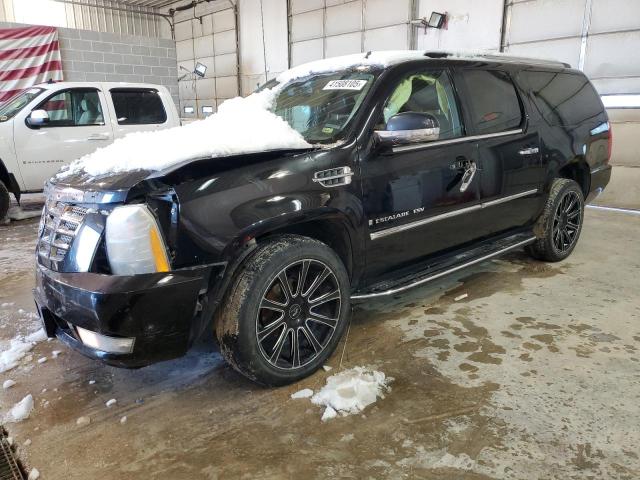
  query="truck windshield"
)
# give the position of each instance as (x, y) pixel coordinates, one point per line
(13, 105)
(321, 107)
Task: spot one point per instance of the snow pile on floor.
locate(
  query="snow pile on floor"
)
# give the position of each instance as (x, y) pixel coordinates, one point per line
(18, 348)
(20, 410)
(351, 391)
(241, 125)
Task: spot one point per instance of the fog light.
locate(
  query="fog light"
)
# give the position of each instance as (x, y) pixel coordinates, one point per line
(105, 343)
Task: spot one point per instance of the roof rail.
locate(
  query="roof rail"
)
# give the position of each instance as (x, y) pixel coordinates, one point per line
(495, 57)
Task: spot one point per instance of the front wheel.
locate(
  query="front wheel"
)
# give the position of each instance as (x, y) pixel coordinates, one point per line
(285, 312)
(560, 224)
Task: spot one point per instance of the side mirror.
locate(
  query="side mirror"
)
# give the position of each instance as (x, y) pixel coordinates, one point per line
(409, 127)
(37, 118)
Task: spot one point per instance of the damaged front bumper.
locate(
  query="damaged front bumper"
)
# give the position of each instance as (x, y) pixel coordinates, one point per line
(132, 321)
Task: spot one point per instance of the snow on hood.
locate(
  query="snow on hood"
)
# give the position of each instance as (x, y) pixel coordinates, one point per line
(241, 125)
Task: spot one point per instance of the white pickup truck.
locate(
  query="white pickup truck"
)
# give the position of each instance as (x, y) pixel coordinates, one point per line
(49, 125)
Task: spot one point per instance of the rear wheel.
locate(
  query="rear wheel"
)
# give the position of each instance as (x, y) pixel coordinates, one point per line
(4, 201)
(560, 224)
(285, 312)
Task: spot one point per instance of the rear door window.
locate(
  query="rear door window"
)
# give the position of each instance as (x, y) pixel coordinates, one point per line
(564, 99)
(138, 106)
(492, 102)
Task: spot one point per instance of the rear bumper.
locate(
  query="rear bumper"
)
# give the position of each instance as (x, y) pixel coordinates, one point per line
(159, 310)
(599, 180)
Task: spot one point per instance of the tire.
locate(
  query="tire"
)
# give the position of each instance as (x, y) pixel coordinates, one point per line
(259, 323)
(560, 223)
(4, 201)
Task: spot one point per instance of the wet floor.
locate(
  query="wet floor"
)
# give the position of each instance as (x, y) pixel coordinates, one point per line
(534, 374)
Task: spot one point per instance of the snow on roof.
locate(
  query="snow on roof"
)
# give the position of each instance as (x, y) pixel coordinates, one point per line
(384, 58)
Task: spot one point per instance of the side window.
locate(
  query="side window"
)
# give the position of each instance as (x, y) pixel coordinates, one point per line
(73, 108)
(492, 100)
(138, 106)
(565, 99)
(428, 92)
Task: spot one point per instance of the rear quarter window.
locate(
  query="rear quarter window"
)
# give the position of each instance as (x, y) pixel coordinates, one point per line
(138, 106)
(563, 99)
(492, 102)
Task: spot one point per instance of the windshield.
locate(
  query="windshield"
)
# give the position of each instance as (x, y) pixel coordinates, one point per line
(12, 106)
(321, 107)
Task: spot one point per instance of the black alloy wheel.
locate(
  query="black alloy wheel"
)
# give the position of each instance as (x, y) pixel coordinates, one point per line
(298, 314)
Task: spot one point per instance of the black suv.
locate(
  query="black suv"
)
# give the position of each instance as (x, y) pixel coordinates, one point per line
(417, 167)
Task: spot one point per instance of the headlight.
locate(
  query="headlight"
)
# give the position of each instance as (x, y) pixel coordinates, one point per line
(134, 242)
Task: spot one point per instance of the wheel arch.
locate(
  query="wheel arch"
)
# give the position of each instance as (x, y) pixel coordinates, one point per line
(331, 227)
(578, 170)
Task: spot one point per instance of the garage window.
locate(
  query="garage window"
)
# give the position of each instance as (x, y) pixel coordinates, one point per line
(492, 101)
(138, 106)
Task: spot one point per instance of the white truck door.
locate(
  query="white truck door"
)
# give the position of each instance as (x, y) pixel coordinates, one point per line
(138, 109)
(76, 127)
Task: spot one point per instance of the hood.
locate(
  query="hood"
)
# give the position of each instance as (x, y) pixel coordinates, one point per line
(121, 186)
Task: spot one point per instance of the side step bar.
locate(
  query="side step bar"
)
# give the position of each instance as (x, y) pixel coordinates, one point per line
(441, 273)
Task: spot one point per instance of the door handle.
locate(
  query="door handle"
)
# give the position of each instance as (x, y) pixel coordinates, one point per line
(98, 136)
(529, 151)
(469, 172)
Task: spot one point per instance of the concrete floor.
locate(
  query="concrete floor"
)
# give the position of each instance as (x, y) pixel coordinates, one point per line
(535, 374)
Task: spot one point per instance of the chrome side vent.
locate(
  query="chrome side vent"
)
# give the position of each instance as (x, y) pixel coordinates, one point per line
(334, 177)
(58, 227)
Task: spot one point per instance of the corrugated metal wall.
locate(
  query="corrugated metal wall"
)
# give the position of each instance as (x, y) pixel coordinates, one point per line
(100, 17)
(601, 37)
(207, 35)
(327, 28)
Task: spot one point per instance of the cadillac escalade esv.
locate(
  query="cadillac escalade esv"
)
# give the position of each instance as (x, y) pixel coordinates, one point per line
(417, 165)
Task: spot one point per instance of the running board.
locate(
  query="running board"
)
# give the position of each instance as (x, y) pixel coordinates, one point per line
(440, 269)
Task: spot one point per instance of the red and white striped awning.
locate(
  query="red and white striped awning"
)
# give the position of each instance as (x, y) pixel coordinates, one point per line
(28, 55)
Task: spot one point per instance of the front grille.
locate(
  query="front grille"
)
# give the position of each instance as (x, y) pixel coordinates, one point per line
(58, 227)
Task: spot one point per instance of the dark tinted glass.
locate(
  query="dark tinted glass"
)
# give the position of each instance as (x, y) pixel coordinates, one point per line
(492, 101)
(138, 107)
(563, 98)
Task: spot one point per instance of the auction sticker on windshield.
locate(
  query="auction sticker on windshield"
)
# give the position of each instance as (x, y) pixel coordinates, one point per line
(345, 85)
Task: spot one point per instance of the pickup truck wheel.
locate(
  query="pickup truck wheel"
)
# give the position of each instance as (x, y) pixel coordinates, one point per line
(4, 201)
(560, 224)
(285, 311)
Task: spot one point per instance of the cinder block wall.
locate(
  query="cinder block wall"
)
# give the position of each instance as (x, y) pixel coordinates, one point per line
(98, 57)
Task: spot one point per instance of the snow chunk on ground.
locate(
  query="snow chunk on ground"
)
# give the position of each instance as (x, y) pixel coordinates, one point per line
(34, 474)
(20, 410)
(111, 402)
(17, 350)
(304, 393)
(83, 421)
(37, 336)
(241, 125)
(351, 391)
(8, 384)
